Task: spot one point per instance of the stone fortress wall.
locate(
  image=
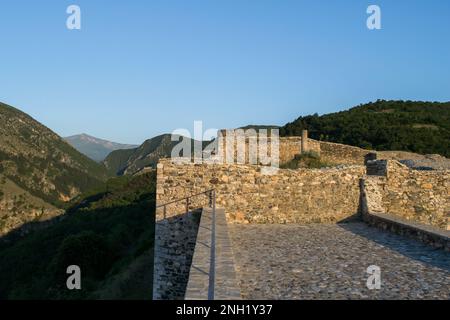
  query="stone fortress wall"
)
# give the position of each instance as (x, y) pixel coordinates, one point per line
(175, 242)
(308, 195)
(289, 147)
(380, 192)
(250, 196)
(336, 153)
(413, 195)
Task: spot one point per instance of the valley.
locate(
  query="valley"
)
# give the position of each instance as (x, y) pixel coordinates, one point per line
(107, 231)
(62, 204)
(40, 171)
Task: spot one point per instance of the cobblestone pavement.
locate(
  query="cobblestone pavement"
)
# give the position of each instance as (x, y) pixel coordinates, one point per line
(330, 262)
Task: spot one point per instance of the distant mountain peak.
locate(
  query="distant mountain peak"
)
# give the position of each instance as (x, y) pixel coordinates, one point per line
(95, 148)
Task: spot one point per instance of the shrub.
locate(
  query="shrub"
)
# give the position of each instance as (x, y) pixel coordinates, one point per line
(91, 252)
(309, 160)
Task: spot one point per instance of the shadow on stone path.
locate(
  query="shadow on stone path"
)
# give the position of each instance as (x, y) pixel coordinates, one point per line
(330, 262)
(408, 247)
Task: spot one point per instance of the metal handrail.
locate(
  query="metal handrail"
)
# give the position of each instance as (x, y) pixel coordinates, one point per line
(212, 204)
(209, 192)
(212, 260)
(181, 199)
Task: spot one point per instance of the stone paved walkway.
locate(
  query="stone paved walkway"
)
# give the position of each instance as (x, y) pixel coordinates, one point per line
(330, 262)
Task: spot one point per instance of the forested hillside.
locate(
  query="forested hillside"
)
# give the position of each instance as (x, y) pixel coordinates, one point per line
(131, 161)
(108, 232)
(421, 127)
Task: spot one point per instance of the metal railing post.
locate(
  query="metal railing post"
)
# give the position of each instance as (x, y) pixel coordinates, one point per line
(210, 196)
(187, 205)
(212, 265)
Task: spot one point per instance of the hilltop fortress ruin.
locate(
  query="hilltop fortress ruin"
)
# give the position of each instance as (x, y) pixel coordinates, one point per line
(196, 248)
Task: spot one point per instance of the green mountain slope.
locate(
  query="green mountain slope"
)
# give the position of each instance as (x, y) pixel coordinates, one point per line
(41, 164)
(95, 148)
(421, 127)
(108, 232)
(117, 161)
(17, 206)
(128, 162)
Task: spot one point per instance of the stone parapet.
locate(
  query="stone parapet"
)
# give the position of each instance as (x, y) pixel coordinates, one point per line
(342, 154)
(415, 196)
(226, 286)
(433, 236)
(249, 196)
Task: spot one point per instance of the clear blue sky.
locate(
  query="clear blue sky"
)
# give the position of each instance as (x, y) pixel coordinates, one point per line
(140, 68)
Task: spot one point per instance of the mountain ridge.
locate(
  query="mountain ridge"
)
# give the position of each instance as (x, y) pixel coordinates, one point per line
(36, 163)
(123, 162)
(146, 156)
(95, 148)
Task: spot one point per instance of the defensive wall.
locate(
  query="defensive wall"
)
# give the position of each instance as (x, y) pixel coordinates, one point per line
(384, 193)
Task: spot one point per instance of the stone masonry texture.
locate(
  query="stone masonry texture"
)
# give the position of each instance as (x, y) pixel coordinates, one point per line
(175, 240)
(249, 196)
(418, 196)
(297, 234)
